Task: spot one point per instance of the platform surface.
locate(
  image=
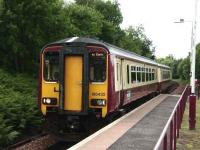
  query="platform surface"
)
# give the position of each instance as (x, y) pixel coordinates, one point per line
(139, 129)
(146, 133)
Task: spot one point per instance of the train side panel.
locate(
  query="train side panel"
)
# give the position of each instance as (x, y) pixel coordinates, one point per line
(113, 96)
(132, 80)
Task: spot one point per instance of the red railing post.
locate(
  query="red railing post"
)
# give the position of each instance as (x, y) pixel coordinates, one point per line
(175, 130)
(165, 142)
(171, 135)
(192, 111)
(178, 120)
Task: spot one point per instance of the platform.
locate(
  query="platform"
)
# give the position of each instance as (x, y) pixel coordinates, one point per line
(139, 129)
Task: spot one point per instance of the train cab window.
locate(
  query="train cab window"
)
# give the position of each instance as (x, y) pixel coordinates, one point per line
(138, 74)
(147, 75)
(128, 80)
(133, 74)
(51, 66)
(97, 63)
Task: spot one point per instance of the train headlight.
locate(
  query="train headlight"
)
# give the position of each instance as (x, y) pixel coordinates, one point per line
(98, 102)
(49, 101)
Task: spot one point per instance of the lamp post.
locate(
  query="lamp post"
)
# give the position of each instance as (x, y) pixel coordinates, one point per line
(192, 97)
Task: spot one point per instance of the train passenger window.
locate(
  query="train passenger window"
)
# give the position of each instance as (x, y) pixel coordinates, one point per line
(133, 74)
(138, 74)
(128, 80)
(117, 71)
(132, 68)
(147, 75)
(97, 63)
(51, 66)
(143, 74)
(150, 74)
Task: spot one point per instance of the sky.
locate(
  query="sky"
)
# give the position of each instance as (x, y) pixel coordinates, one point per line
(157, 18)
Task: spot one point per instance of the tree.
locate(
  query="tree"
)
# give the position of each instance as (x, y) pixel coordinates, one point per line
(198, 62)
(184, 69)
(110, 10)
(112, 18)
(180, 67)
(84, 21)
(135, 40)
(25, 27)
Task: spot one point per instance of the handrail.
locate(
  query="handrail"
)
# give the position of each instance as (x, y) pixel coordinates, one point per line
(158, 144)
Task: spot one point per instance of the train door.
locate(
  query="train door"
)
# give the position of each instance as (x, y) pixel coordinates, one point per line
(119, 80)
(118, 74)
(74, 80)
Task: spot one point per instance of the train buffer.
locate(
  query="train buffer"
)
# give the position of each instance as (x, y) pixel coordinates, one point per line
(153, 125)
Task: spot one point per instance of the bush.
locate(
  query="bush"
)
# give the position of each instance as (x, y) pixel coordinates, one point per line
(18, 107)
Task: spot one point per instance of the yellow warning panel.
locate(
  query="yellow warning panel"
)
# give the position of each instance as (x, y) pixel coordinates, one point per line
(73, 83)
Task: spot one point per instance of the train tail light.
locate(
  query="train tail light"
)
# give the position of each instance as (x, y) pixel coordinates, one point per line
(49, 101)
(98, 102)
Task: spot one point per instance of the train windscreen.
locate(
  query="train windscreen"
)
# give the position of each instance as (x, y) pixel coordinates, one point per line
(51, 66)
(97, 63)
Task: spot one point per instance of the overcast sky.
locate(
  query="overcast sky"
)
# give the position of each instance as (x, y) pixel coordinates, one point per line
(157, 17)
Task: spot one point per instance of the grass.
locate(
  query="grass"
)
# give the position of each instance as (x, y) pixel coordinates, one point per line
(189, 139)
(180, 81)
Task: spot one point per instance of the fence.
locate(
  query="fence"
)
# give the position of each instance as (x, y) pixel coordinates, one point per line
(170, 132)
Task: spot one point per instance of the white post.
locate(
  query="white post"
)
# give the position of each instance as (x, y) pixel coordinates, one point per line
(193, 53)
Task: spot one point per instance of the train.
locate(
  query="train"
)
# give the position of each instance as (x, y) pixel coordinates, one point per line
(82, 77)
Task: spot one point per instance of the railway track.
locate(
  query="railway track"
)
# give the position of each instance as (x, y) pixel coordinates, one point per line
(47, 141)
(38, 142)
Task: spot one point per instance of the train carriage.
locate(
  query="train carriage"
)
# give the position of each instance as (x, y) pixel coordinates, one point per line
(83, 76)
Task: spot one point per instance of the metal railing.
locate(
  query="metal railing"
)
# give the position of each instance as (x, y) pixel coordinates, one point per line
(167, 139)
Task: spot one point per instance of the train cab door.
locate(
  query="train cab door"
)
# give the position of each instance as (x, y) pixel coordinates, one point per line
(74, 84)
(73, 66)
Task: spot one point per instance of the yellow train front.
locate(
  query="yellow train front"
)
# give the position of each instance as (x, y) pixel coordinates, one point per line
(73, 83)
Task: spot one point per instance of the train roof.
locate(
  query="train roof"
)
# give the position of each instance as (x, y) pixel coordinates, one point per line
(112, 49)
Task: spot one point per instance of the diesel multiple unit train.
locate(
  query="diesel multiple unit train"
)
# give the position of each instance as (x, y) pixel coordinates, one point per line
(80, 77)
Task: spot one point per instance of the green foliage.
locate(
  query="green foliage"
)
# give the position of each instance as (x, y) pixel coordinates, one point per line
(180, 68)
(112, 17)
(7, 133)
(110, 10)
(18, 112)
(85, 21)
(135, 40)
(198, 62)
(173, 63)
(25, 27)
(184, 69)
